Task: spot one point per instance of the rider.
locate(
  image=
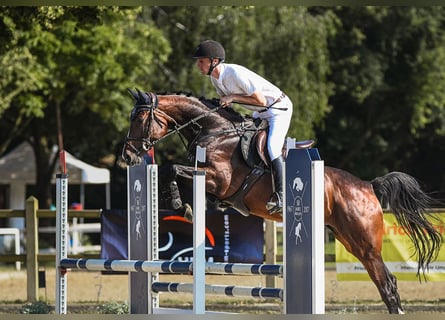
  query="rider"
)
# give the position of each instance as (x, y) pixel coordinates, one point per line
(235, 83)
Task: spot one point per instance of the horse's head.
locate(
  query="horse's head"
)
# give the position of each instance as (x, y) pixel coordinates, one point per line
(155, 118)
(146, 126)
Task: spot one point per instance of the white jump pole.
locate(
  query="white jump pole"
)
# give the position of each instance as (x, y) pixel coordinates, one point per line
(318, 241)
(199, 242)
(61, 236)
(199, 225)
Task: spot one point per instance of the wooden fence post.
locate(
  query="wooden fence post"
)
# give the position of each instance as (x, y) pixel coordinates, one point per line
(32, 249)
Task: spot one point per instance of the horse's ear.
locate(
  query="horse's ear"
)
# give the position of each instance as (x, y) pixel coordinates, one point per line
(133, 94)
(142, 97)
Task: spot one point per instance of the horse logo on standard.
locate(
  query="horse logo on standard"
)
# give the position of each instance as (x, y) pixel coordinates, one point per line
(298, 208)
(137, 208)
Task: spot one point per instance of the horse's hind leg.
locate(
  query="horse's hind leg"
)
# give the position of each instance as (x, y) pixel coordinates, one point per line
(368, 250)
(355, 215)
(384, 280)
(362, 235)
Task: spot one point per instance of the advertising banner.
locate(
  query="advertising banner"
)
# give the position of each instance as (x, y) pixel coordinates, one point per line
(230, 237)
(397, 253)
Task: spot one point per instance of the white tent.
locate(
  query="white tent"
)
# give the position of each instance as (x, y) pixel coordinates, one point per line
(17, 169)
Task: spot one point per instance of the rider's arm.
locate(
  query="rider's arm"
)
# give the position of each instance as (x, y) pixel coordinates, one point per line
(257, 98)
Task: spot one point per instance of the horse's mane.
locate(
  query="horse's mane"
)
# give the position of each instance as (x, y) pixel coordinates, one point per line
(211, 103)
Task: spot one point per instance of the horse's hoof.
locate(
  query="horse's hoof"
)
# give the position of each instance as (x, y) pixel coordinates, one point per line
(176, 201)
(188, 212)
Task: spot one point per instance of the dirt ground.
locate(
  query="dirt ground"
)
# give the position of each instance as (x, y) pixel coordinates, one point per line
(95, 288)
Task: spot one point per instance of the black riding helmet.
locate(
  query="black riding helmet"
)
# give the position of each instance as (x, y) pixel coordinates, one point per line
(210, 49)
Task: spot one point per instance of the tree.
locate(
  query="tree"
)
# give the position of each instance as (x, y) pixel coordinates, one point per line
(78, 59)
(277, 42)
(366, 82)
(387, 65)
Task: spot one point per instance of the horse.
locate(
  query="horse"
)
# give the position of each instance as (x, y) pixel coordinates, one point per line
(352, 207)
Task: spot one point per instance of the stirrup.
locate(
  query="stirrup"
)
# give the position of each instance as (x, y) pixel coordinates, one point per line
(275, 209)
(275, 204)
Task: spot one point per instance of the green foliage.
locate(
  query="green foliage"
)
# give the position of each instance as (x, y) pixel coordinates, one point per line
(38, 307)
(78, 59)
(113, 308)
(387, 64)
(278, 42)
(366, 82)
(295, 56)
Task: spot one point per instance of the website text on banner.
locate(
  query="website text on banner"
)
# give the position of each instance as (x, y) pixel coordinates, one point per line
(396, 252)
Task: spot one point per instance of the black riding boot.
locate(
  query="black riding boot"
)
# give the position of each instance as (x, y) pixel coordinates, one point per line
(275, 203)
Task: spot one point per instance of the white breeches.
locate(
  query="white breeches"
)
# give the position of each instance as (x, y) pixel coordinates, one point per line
(279, 122)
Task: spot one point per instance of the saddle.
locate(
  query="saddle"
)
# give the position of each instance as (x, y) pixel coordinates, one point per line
(253, 144)
(253, 148)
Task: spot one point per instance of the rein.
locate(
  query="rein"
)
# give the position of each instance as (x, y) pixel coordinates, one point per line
(146, 143)
(177, 129)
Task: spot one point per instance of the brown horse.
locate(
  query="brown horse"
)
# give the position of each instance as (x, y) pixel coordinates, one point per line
(352, 207)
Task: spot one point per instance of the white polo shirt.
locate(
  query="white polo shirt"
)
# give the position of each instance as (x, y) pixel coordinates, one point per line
(236, 79)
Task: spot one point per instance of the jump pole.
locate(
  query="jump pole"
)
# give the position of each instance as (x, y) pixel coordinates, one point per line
(303, 232)
(61, 236)
(185, 267)
(199, 259)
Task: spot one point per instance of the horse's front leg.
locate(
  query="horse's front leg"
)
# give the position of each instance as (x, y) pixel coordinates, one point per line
(177, 186)
(176, 183)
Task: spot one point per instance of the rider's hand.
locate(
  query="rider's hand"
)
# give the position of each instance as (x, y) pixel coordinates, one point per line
(225, 101)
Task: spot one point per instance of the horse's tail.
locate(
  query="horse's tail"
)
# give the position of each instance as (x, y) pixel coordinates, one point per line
(403, 195)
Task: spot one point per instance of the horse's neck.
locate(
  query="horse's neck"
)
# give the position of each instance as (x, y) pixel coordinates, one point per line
(184, 109)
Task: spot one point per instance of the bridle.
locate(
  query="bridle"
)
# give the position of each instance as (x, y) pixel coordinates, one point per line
(150, 104)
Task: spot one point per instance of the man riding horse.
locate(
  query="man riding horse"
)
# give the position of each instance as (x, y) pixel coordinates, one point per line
(237, 84)
(353, 207)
